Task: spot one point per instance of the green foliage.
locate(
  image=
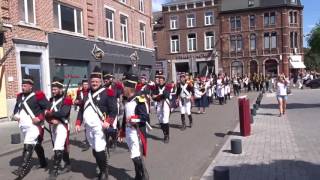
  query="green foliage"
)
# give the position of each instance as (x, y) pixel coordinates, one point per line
(311, 60)
(312, 55)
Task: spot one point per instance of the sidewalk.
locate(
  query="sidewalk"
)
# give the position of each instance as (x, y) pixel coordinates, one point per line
(278, 148)
(11, 127)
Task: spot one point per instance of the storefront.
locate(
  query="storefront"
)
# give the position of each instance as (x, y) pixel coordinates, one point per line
(71, 57)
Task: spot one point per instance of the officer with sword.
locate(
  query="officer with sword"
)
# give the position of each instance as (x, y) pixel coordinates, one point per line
(97, 113)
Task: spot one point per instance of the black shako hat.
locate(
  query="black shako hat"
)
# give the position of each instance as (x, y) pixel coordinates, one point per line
(160, 75)
(85, 79)
(130, 80)
(27, 79)
(107, 75)
(57, 82)
(96, 73)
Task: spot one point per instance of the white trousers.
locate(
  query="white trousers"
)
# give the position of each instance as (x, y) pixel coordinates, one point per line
(163, 112)
(96, 138)
(227, 89)
(29, 131)
(186, 107)
(59, 136)
(133, 142)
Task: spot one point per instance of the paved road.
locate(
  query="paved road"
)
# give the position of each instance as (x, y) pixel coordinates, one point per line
(186, 156)
(280, 148)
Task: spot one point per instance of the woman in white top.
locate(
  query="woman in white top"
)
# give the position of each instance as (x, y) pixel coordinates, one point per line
(282, 96)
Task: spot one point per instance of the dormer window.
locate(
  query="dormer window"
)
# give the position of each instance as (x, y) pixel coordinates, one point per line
(250, 3)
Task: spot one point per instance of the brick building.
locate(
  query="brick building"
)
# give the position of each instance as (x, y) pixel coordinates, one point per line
(186, 36)
(47, 38)
(261, 36)
(250, 36)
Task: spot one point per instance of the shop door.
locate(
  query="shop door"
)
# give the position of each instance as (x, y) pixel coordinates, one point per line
(34, 71)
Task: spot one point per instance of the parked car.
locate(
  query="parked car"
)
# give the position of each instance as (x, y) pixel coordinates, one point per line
(313, 84)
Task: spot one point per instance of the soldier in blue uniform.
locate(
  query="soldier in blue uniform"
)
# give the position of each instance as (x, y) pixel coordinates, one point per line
(58, 118)
(29, 112)
(134, 124)
(97, 113)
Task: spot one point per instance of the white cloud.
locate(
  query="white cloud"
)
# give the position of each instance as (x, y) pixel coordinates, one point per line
(311, 26)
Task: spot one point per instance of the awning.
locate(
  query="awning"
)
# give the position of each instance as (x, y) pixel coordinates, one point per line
(296, 62)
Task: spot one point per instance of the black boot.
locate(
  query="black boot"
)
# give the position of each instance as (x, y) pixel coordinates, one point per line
(25, 167)
(141, 171)
(190, 120)
(166, 133)
(229, 96)
(225, 99)
(67, 164)
(183, 120)
(101, 160)
(40, 153)
(58, 155)
(220, 100)
(114, 137)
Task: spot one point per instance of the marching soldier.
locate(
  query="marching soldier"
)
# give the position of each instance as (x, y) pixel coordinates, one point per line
(58, 118)
(97, 113)
(144, 89)
(114, 89)
(134, 125)
(184, 94)
(81, 93)
(29, 112)
(220, 88)
(161, 95)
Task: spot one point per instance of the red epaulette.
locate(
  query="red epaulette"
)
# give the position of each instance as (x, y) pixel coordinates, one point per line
(139, 86)
(78, 91)
(68, 101)
(168, 87)
(110, 92)
(152, 87)
(40, 95)
(18, 95)
(119, 85)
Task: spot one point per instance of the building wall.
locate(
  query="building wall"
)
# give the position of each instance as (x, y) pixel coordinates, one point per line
(282, 27)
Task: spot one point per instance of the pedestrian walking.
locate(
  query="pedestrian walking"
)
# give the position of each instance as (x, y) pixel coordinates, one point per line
(282, 96)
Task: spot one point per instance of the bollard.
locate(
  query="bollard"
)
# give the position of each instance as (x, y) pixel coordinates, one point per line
(236, 146)
(253, 111)
(244, 116)
(221, 173)
(251, 119)
(15, 138)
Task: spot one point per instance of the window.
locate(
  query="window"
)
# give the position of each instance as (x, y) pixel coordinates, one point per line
(293, 17)
(293, 1)
(174, 45)
(124, 28)
(266, 40)
(173, 22)
(273, 40)
(191, 20)
(208, 18)
(209, 41)
(236, 43)
(110, 23)
(293, 39)
(269, 18)
(252, 20)
(235, 22)
(141, 5)
(250, 3)
(253, 42)
(142, 34)
(27, 11)
(192, 42)
(270, 40)
(68, 18)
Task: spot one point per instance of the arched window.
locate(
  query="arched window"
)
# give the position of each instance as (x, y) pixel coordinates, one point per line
(236, 68)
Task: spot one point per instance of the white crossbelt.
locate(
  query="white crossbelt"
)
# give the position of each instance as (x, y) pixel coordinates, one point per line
(90, 102)
(54, 104)
(25, 104)
(184, 90)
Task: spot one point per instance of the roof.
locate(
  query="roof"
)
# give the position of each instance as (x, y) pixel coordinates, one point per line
(231, 5)
(174, 2)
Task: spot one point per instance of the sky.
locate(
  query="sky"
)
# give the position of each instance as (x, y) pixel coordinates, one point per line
(311, 14)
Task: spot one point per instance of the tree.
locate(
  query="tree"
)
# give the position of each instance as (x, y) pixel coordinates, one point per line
(312, 55)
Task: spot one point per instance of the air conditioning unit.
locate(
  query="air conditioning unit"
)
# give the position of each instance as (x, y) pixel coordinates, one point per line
(295, 50)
